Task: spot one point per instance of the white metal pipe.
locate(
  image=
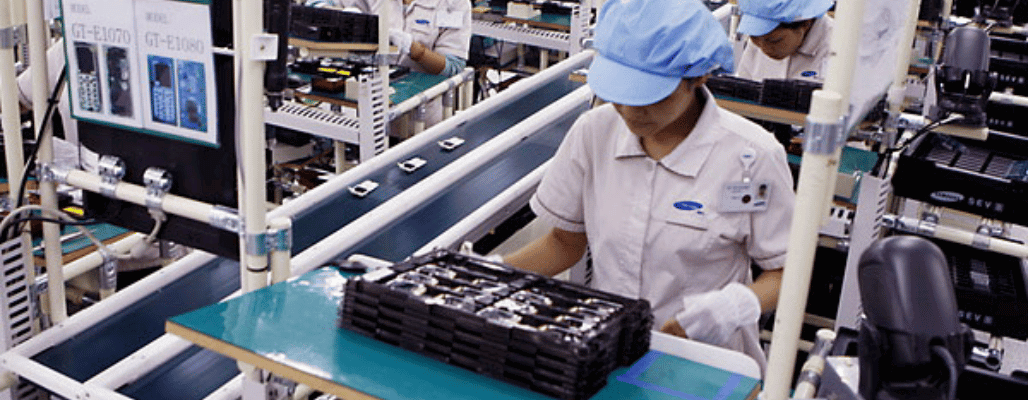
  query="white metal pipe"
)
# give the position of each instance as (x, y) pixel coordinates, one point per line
(816, 183)
(141, 362)
(467, 93)
(231, 390)
(95, 259)
(55, 381)
(132, 294)
(281, 254)
(457, 233)
(961, 236)
(47, 189)
(253, 267)
(172, 204)
(898, 89)
(340, 156)
(431, 93)
(443, 129)
(15, 156)
(391, 210)
(1009, 98)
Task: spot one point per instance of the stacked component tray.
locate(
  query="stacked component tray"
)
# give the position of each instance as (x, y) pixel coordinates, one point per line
(549, 336)
(738, 88)
(332, 25)
(988, 178)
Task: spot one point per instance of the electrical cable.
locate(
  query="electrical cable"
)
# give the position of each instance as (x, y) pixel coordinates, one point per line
(6, 222)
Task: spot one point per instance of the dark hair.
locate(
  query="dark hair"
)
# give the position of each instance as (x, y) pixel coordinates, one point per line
(794, 25)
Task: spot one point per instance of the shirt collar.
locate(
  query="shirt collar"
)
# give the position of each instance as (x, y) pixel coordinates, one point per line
(814, 37)
(687, 158)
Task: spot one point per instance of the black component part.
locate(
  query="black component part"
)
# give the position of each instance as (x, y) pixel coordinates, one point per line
(990, 289)
(964, 81)
(1012, 11)
(276, 21)
(789, 94)
(549, 336)
(911, 313)
(1009, 60)
(119, 80)
(931, 11)
(967, 175)
(328, 25)
(734, 87)
(203, 173)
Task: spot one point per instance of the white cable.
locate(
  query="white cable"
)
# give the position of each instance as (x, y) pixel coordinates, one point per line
(64, 217)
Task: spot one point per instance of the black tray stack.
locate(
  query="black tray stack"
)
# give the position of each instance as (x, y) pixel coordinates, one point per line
(549, 336)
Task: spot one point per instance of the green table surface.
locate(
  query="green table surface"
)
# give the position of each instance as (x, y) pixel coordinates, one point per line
(405, 87)
(290, 329)
(102, 232)
(548, 18)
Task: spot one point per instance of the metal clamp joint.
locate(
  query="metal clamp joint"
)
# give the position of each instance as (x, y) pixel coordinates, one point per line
(111, 170)
(280, 239)
(12, 36)
(256, 243)
(225, 218)
(158, 183)
(822, 138)
(108, 271)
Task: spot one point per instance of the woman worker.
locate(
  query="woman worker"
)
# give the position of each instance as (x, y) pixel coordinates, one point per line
(660, 183)
(433, 36)
(788, 39)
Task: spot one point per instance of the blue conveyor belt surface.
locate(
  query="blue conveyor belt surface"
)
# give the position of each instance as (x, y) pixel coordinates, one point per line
(111, 340)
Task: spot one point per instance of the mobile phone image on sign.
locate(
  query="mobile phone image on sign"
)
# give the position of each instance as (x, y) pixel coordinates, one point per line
(88, 77)
(162, 89)
(192, 94)
(119, 77)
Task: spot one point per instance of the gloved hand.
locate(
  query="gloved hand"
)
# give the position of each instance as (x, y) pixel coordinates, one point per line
(467, 248)
(402, 40)
(712, 317)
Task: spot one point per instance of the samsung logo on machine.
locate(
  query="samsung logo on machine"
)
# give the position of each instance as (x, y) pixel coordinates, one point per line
(947, 197)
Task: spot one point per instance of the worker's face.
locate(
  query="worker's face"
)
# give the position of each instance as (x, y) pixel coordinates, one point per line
(782, 41)
(657, 118)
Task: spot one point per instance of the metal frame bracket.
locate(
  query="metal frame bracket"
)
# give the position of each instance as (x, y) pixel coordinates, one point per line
(111, 170)
(225, 218)
(12, 36)
(158, 183)
(256, 243)
(822, 138)
(280, 239)
(52, 174)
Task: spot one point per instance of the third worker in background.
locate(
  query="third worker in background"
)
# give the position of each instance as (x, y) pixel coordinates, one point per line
(787, 39)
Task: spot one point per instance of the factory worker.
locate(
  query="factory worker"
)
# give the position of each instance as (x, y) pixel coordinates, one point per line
(788, 39)
(433, 36)
(673, 195)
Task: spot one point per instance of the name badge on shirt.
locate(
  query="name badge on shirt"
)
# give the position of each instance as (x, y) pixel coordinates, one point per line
(450, 19)
(745, 197)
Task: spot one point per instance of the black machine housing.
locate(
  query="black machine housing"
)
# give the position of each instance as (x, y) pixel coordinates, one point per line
(199, 172)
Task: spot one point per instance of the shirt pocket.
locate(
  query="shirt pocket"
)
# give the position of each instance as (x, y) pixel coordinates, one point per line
(691, 230)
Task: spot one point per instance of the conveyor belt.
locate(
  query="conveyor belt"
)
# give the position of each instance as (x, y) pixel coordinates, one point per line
(107, 342)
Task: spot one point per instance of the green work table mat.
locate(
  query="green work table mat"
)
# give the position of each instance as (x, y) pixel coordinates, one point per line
(404, 88)
(290, 329)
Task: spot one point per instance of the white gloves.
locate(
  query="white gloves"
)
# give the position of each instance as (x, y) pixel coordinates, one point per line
(402, 40)
(712, 317)
(467, 248)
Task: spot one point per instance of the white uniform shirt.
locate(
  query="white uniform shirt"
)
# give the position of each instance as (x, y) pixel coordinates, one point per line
(443, 26)
(809, 62)
(653, 226)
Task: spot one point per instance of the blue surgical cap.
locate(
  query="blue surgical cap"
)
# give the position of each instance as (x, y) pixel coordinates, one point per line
(646, 47)
(760, 17)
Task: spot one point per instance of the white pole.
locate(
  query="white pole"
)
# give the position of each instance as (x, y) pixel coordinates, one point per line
(816, 182)
(177, 205)
(957, 235)
(253, 267)
(95, 259)
(898, 89)
(55, 381)
(403, 202)
(141, 362)
(38, 41)
(15, 156)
